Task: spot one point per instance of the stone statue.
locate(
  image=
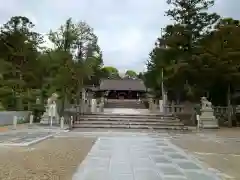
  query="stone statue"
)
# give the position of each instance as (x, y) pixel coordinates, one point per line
(52, 105)
(52, 98)
(51, 110)
(205, 103)
(207, 118)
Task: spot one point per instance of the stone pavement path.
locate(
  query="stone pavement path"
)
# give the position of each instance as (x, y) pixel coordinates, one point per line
(26, 137)
(140, 158)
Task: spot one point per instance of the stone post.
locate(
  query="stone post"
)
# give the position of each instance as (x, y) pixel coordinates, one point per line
(101, 104)
(199, 124)
(173, 109)
(31, 119)
(71, 122)
(93, 105)
(150, 102)
(15, 118)
(62, 122)
(161, 106)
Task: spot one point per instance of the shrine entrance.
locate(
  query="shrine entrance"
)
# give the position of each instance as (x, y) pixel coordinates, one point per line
(123, 95)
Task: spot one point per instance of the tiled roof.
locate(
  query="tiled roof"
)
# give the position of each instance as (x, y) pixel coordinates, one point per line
(122, 84)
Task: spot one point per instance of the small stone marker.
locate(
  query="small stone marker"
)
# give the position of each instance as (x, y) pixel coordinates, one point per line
(198, 122)
(62, 122)
(15, 118)
(31, 119)
(71, 122)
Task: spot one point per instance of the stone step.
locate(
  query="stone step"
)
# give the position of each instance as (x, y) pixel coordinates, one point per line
(46, 120)
(142, 118)
(133, 123)
(129, 126)
(112, 115)
(124, 107)
(127, 119)
(125, 104)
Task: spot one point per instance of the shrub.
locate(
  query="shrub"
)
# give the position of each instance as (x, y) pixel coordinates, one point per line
(38, 110)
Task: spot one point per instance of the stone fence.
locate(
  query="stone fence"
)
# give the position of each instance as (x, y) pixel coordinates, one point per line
(6, 117)
(187, 113)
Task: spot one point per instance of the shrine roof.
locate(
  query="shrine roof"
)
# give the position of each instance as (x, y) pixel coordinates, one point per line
(122, 85)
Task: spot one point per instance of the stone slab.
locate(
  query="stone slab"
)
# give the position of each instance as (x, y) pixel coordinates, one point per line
(23, 138)
(140, 158)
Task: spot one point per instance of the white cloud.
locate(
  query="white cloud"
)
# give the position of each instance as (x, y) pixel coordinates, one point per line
(127, 29)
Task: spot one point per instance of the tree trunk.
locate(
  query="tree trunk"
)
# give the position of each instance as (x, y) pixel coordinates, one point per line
(178, 97)
(29, 103)
(79, 92)
(63, 101)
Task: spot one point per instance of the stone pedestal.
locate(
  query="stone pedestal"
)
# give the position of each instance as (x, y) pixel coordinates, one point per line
(207, 119)
(51, 114)
(46, 120)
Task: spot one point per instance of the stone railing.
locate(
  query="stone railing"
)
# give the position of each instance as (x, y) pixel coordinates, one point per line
(188, 113)
(87, 106)
(172, 108)
(176, 109)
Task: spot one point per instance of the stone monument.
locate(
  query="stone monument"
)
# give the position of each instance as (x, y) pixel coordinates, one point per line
(93, 105)
(161, 106)
(207, 118)
(51, 116)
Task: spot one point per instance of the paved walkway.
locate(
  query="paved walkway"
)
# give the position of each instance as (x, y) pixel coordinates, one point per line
(140, 158)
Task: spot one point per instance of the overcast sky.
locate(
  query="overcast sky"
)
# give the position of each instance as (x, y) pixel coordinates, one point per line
(127, 29)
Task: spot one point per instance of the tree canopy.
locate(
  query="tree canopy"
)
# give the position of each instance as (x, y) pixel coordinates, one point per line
(110, 72)
(198, 54)
(30, 70)
(131, 74)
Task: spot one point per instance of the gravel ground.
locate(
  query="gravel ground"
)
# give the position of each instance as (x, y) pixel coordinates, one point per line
(223, 155)
(52, 159)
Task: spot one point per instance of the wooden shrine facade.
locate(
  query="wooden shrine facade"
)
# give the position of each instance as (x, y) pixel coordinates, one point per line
(120, 89)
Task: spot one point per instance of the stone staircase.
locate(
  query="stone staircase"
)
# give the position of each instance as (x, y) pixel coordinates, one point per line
(128, 121)
(124, 103)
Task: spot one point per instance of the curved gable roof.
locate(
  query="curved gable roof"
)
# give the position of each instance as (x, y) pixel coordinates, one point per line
(122, 84)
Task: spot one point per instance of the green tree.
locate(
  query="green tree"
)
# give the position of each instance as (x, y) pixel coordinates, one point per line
(131, 74)
(110, 72)
(28, 69)
(18, 50)
(175, 52)
(221, 57)
(81, 56)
